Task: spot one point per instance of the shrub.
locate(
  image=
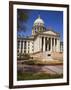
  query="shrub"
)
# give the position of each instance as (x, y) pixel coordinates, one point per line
(23, 56)
(29, 62)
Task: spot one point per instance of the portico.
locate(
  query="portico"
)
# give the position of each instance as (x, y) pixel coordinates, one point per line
(49, 44)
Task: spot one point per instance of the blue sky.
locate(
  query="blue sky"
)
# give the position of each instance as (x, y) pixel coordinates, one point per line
(52, 19)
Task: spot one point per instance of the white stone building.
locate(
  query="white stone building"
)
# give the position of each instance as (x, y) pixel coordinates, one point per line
(41, 40)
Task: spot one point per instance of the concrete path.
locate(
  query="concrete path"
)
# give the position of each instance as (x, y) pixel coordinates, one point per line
(52, 69)
(57, 69)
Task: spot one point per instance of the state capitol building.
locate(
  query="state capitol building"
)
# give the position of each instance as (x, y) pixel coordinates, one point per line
(42, 40)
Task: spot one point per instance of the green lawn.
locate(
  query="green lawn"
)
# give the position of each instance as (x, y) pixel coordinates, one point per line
(35, 76)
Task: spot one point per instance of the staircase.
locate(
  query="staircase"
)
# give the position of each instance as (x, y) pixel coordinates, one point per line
(47, 56)
(57, 55)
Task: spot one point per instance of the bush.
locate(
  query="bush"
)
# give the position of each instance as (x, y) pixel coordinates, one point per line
(29, 62)
(23, 56)
(26, 56)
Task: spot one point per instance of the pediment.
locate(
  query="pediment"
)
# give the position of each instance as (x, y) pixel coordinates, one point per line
(50, 32)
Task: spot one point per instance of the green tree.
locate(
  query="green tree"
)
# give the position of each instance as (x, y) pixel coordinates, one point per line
(22, 17)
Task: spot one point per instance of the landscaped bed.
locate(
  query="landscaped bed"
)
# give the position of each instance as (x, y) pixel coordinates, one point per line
(35, 76)
(39, 62)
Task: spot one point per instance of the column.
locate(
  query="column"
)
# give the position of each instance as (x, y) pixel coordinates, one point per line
(20, 47)
(39, 28)
(54, 44)
(58, 45)
(51, 44)
(44, 44)
(40, 43)
(26, 46)
(23, 46)
(47, 45)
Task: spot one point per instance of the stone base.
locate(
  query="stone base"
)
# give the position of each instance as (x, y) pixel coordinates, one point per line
(47, 56)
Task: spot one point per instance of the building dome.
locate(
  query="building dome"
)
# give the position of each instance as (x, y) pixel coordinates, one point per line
(38, 26)
(39, 22)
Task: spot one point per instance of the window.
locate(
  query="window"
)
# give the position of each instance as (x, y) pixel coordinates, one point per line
(32, 49)
(24, 51)
(32, 42)
(49, 54)
(18, 51)
(28, 51)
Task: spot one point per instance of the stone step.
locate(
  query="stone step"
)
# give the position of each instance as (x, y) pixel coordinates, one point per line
(48, 55)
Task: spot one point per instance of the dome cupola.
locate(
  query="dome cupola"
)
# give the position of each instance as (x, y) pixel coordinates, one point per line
(39, 22)
(38, 26)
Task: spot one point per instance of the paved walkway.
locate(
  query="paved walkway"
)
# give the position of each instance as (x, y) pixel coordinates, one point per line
(52, 69)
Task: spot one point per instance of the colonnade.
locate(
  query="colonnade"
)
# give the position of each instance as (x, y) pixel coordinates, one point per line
(45, 44)
(21, 46)
(50, 44)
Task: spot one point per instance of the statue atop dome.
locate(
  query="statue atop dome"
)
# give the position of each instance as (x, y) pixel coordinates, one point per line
(38, 16)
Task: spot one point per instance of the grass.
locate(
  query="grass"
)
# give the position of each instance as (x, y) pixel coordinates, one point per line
(36, 76)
